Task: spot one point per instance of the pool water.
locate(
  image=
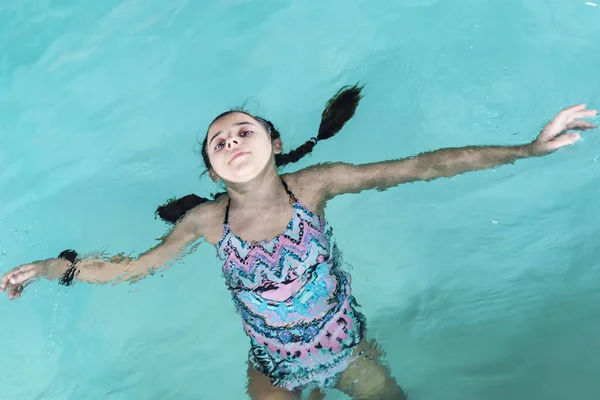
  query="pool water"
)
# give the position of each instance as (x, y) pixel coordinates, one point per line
(484, 286)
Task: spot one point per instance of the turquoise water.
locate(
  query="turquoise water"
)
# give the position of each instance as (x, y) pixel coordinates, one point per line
(485, 286)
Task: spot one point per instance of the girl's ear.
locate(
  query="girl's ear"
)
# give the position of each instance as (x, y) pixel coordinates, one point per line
(277, 146)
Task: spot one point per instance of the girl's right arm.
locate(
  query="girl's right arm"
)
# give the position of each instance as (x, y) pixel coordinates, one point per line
(117, 268)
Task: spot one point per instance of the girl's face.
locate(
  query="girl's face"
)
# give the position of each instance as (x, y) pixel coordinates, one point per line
(239, 148)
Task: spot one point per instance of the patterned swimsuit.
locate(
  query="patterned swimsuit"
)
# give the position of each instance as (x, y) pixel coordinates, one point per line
(295, 302)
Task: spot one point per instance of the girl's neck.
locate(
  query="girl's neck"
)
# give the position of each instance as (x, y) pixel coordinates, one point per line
(261, 191)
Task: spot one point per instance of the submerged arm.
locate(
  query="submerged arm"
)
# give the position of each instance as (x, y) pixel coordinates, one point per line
(117, 268)
(120, 268)
(339, 178)
(348, 178)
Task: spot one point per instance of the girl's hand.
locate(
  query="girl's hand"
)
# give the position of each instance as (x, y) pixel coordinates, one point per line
(18, 278)
(554, 135)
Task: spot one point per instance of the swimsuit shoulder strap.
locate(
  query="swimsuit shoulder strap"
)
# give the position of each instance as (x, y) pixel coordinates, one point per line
(288, 191)
(226, 219)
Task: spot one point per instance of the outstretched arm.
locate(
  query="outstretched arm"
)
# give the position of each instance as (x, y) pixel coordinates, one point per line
(339, 178)
(117, 268)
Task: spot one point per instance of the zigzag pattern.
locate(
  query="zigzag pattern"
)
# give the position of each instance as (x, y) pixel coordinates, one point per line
(251, 264)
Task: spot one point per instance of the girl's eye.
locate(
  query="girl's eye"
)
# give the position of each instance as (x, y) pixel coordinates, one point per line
(221, 143)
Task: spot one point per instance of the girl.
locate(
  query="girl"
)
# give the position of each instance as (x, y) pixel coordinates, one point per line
(286, 283)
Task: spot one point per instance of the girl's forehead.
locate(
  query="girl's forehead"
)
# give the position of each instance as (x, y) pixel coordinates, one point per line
(231, 119)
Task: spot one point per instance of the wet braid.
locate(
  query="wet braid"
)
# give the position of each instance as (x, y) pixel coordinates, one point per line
(339, 109)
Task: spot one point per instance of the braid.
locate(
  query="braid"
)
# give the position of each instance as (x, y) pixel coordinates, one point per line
(296, 154)
(174, 209)
(339, 109)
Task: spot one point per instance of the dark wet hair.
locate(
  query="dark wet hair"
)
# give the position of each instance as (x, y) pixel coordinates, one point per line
(338, 110)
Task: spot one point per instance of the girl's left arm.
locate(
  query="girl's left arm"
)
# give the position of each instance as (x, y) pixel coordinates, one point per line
(339, 178)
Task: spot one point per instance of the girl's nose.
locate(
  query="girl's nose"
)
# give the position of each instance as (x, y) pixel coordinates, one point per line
(230, 141)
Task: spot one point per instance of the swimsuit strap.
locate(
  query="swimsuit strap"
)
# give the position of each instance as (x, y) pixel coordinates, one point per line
(288, 191)
(285, 186)
(226, 219)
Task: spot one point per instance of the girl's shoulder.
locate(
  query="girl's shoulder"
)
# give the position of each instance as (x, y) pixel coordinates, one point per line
(305, 184)
(208, 218)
